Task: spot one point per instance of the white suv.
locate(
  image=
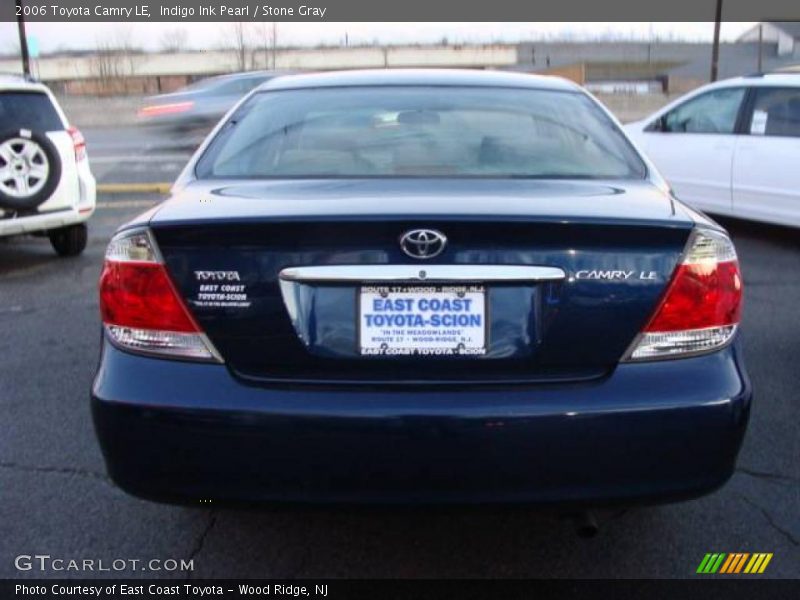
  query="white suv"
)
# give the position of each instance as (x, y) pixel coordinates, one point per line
(731, 147)
(46, 186)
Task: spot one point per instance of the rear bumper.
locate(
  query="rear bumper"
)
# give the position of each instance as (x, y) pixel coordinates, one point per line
(650, 432)
(80, 207)
(46, 220)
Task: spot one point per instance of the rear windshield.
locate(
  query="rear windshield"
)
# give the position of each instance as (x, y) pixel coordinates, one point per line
(28, 110)
(419, 132)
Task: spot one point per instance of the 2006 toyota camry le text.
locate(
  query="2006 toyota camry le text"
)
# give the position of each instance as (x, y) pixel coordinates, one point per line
(419, 287)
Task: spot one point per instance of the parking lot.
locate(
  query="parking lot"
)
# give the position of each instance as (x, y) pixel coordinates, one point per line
(56, 499)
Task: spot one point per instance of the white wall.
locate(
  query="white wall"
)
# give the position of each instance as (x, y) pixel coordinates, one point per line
(200, 63)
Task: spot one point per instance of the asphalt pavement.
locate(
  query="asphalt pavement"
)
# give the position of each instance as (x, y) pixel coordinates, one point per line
(136, 154)
(55, 497)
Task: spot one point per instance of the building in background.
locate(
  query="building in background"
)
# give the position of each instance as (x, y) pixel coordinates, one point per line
(669, 67)
(786, 34)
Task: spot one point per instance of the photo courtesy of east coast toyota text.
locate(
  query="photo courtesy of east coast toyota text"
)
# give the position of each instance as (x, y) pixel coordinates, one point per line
(322, 298)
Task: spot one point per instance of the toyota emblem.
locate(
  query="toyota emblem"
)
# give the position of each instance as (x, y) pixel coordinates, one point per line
(423, 243)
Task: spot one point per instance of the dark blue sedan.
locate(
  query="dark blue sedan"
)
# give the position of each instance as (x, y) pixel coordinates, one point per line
(420, 287)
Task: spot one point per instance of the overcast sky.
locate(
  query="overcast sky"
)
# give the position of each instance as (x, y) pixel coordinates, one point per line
(55, 36)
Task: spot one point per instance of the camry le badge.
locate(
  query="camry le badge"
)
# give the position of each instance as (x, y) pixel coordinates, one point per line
(423, 243)
(616, 275)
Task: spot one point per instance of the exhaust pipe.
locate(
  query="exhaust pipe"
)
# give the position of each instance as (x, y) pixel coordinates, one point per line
(585, 524)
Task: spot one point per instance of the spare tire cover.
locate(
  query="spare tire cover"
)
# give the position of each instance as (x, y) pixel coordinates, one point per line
(30, 169)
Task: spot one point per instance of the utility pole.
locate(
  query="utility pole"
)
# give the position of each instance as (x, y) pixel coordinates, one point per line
(760, 48)
(715, 49)
(23, 41)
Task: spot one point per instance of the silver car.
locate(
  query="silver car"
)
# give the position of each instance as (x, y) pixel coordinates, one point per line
(197, 107)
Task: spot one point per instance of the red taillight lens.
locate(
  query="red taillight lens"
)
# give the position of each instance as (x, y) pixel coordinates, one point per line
(78, 143)
(701, 308)
(140, 295)
(142, 310)
(700, 296)
(165, 109)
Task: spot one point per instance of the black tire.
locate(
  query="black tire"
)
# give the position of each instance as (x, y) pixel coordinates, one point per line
(69, 241)
(13, 203)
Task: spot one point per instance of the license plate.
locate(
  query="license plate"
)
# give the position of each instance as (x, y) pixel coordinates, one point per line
(424, 320)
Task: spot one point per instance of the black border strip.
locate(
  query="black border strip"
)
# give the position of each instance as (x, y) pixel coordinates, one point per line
(707, 587)
(410, 10)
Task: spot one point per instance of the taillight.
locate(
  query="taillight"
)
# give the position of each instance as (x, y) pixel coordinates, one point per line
(140, 307)
(702, 305)
(165, 109)
(78, 143)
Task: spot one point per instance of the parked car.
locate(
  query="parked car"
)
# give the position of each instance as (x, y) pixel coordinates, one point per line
(732, 147)
(420, 286)
(46, 186)
(197, 107)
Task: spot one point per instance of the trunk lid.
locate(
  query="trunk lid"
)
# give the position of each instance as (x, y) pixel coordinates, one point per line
(226, 243)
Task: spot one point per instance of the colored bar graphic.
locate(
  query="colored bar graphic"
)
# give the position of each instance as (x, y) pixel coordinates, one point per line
(727, 564)
(764, 564)
(731, 564)
(704, 563)
(717, 564)
(755, 562)
(711, 563)
(734, 563)
(740, 564)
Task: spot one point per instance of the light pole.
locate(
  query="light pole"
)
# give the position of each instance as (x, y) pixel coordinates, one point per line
(760, 47)
(23, 41)
(715, 49)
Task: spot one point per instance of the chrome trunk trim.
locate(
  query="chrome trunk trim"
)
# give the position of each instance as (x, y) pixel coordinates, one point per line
(417, 273)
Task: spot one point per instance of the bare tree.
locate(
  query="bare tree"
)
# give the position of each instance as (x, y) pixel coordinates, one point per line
(173, 40)
(107, 65)
(114, 60)
(268, 37)
(125, 42)
(237, 39)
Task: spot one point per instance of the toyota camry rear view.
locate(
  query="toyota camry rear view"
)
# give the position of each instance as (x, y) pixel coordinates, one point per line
(420, 286)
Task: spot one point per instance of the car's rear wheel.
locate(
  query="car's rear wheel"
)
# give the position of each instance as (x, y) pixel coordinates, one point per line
(30, 169)
(69, 241)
